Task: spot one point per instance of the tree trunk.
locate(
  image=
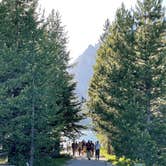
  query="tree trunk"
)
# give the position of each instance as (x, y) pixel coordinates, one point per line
(32, 149)
(148, 98)
(109, 146)
(148, 109)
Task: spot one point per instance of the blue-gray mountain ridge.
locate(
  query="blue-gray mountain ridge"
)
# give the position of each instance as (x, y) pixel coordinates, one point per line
(83, 70)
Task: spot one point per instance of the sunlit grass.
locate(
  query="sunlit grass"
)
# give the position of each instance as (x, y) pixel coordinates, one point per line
(3, 159)
(121, 161)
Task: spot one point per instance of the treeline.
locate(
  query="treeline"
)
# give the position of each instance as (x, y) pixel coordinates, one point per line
(128, 88)
(37, 100)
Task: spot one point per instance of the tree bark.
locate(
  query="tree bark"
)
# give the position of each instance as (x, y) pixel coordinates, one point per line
(32, 128)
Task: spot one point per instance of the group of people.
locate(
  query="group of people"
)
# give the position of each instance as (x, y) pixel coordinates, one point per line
(89, 148)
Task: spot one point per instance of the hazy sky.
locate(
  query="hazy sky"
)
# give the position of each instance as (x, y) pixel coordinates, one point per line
(84, 19)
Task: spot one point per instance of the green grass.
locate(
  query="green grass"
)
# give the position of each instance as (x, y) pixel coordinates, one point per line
(121, 161)
(52, 161)
(3, 160)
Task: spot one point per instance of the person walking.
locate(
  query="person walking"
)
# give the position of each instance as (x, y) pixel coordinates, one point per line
(97, 150)
(88, 150)
(74, 148)
(92, 148)
(83, 147)
(79, 148)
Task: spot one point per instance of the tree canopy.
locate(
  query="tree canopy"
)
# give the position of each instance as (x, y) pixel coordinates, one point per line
(128, 88)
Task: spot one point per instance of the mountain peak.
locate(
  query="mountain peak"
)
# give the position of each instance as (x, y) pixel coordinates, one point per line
(83, 69)
(90, 46)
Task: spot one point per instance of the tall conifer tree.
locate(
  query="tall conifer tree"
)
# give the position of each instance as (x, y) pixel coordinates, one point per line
(127, 91)
(150, 68)
(38, 103)
(17, 86)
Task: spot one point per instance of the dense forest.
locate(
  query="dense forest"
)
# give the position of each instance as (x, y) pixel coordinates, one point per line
(127, 94)
(37, 99)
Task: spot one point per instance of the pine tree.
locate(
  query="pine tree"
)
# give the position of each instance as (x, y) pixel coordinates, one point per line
(114, 67)
(18, 78)
(127, 91)
(70, 106)
(38, 104)
(150, 53)
(106, 31)
(60, 104)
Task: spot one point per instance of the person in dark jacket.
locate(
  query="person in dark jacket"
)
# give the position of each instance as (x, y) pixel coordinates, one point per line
(74, 147)
(88, 150)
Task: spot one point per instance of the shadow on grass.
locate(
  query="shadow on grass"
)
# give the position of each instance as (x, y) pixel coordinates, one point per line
(60, 161)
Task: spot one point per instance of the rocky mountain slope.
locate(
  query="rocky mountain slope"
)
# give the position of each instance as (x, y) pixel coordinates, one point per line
(83, 70)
